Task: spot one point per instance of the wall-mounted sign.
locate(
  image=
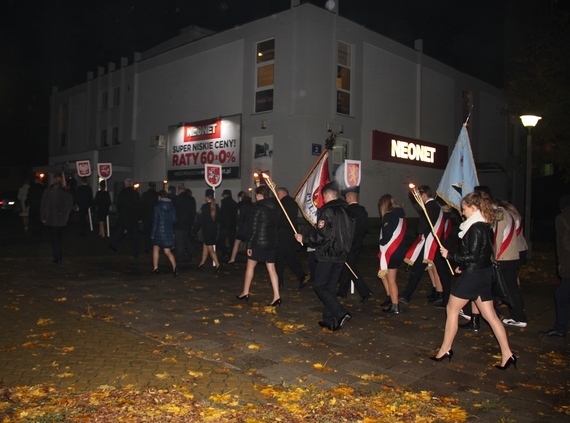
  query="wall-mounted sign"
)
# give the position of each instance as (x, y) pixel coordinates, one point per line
(191, 146)
(395, 148)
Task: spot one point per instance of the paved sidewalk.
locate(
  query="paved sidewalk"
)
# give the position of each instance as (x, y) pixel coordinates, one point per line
(102, 318)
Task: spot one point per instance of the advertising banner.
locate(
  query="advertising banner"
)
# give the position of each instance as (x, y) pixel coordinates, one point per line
(105, 170)
(83, 168)
(191, 146)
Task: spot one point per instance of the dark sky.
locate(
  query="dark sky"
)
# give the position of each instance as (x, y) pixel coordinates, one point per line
(46, 43)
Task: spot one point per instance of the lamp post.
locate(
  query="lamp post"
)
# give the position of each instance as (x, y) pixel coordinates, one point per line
(529, 122)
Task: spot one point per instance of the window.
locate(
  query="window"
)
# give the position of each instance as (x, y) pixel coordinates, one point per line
(115, 136)
(343, 76)
(265, 75)
(116, 96)
(62, 129)
(104, 100)
(104, 142)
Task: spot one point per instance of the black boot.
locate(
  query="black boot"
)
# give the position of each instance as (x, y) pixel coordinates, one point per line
(474, 324)
(433, 296)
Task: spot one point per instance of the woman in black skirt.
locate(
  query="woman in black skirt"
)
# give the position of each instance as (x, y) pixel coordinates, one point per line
(207, 221)
(475, 275)
(262, 242)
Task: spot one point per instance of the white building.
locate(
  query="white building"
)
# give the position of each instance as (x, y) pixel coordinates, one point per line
(279, 85)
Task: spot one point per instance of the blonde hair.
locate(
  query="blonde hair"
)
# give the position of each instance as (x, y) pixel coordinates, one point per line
(482, 201)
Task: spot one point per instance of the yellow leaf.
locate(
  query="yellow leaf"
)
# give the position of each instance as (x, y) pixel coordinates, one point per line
(195, 374)
(64, 375)
(61, 300)
(162, 375)
(217, 321)
(44, 322)
(254, 347)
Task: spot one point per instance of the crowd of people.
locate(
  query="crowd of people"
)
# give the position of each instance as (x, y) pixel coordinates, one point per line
(490, 232)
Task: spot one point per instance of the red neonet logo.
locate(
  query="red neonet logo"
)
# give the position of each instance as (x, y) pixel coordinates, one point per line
(204, 130)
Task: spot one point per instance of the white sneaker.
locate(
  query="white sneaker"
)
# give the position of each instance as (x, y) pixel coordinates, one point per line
(465, 316)
(512, 322)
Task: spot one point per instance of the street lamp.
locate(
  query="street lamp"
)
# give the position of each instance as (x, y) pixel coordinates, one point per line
(529, 122)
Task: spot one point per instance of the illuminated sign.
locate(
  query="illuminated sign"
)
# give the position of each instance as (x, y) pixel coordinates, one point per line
(397, 149)
(190, 146)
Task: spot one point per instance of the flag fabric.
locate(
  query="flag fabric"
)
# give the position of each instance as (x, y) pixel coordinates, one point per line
(460, 176)
(309, 196)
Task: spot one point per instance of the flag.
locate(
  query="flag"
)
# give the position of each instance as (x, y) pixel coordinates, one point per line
(460, 176)
(309, 196)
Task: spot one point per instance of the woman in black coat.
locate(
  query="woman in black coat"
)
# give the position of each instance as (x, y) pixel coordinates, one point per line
(262, 241)
(103, 204)
(207, 221)
(242, 234)
(475, 276)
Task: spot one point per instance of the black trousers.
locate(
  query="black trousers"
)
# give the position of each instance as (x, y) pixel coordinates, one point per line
(347, 276)
(225, 233)
(326, 279)
(418, 270)
(562, 298)
(132, 229)
(510, 270)
(182, 240)
(55, 234)
(287, 254)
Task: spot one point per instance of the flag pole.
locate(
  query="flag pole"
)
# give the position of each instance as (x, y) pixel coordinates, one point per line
(329, 144)
(271, 186)
(418, 198)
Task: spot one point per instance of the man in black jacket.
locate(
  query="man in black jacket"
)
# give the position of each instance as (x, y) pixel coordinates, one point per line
(360, 231)
(129, 210)
(228, 224)
(288, 245)
(34, 201)
(332, 239)
(149, 198)
(84, 200)
(185, 206)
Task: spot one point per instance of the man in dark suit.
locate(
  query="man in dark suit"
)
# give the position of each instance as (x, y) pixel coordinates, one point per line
(129, 214)
(228, 224)
(149, 198)
(360, 230)
(288, 245)
(84, 200)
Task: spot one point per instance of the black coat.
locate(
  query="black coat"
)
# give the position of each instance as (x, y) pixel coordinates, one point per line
(129, 205)
(228, 213)
(244, 214)
(149, 198)
(360, 225)
(185, 206)
(84, 197)
(285, 231)
(263, 224)
(476, 248)
(332, 237)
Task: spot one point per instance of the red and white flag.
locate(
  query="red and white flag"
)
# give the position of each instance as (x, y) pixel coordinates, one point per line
(309, 195)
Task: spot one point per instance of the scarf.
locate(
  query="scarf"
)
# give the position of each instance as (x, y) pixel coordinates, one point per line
(474, 218)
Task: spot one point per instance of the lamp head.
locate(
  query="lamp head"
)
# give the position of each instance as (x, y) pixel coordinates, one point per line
(530, 121)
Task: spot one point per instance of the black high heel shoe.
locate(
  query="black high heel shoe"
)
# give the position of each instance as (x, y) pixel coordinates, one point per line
(218, 268)
(154, 272)
(276, 303)
(201, 267)
(512, 360)
(448, 355)
(175, 271)
(243, 297)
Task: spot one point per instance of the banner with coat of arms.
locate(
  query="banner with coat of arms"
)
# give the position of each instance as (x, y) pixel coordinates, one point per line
(213, 174)
(105, 170)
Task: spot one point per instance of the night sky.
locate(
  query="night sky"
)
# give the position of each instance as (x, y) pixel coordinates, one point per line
(46, 43)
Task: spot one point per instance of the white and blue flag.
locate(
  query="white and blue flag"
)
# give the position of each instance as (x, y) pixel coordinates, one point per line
(460, 176)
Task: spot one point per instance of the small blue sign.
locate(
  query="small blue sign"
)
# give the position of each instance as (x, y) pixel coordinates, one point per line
(316, 149)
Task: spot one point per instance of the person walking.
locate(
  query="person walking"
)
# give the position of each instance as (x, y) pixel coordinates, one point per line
(207, 220)
(103, 205)
(562, 296)
(162, 233)
(262, 242)
(227, 224)
(129, 210)
(84, 200)
(475, 275)
(185, 206)
(425, 249)
(392, 248)
(288, 245)
(242, 233)
(360, 230)
(149, 198)
(332, 239)
(34, 202)
(23, 207)
(56, 206)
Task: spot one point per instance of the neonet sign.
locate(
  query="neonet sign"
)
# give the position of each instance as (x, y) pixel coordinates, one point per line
(397, 149)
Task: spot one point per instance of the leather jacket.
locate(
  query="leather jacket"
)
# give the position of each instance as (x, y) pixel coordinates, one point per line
(263, 224)
(476, 248)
